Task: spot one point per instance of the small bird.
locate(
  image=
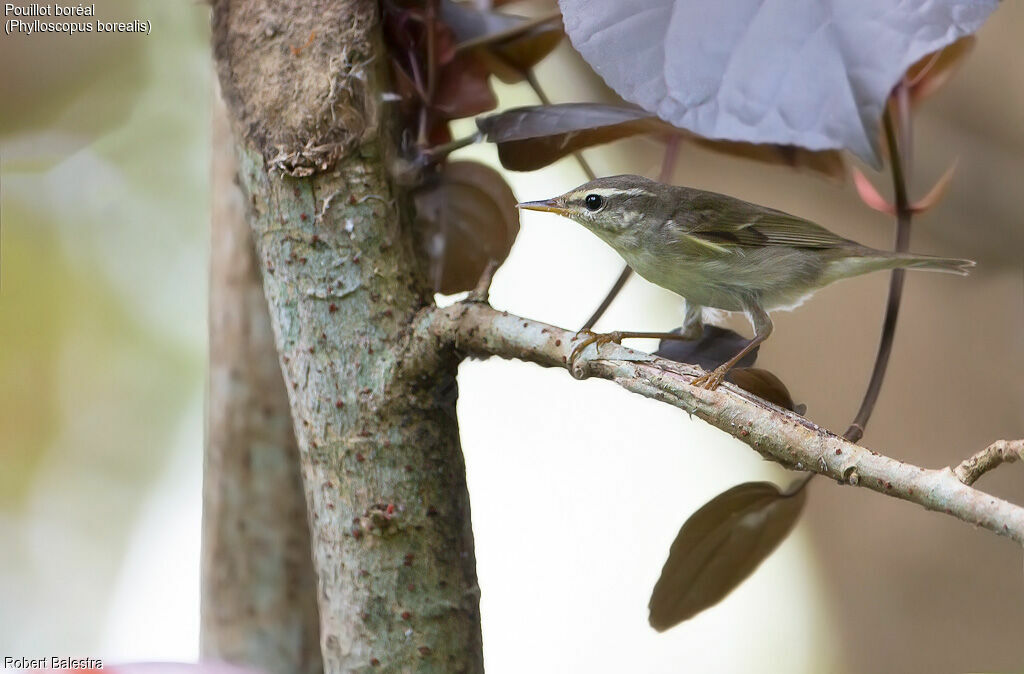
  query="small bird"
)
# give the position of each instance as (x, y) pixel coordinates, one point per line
(718, 251)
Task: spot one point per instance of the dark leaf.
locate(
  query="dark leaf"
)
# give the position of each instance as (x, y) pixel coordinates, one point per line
(463, 89)
(402, 28)
(467, 217)
(715, 346)
(407, 32)
(420, 45)
(766, 385)
(543, 121)
(811, 73)
(534, 136)
(472, 24)
(510, 60)
(719, 547)
(445, 41)
(505, 42)
(438, 133)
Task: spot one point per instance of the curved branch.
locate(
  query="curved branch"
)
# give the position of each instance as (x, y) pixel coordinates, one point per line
(478, 329)
(999, 452)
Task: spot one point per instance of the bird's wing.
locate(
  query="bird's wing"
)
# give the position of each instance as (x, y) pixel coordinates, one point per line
(721, 220)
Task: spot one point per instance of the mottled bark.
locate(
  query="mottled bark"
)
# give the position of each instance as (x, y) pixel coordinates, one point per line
(996, 454)
(258, 585)
(382, 466)
(777, 434)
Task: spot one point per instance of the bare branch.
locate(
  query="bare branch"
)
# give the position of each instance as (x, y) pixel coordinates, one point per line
(777, 434)
(1000, 451)
(483, 286)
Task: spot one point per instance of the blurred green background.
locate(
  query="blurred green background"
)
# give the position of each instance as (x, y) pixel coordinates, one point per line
(105, 209)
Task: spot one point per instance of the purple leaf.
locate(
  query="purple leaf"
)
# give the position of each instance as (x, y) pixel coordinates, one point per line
(715, 346)
(719, 546)
(811, 73)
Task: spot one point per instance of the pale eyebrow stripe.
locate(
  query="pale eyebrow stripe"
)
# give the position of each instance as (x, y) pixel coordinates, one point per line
(614, 192)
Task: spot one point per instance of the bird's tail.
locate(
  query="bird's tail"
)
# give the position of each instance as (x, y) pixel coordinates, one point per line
(877, 260)
(947, 265)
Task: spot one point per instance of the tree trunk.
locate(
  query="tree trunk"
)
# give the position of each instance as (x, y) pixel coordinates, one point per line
(382, 467)
(258, 586)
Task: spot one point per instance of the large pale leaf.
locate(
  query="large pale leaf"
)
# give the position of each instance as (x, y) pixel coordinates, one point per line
(812, 73)
(719, 547)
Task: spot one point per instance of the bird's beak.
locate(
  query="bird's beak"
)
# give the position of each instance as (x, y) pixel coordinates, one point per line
(547, 206)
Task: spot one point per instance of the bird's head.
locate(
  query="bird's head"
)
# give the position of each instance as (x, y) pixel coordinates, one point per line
(610, 207)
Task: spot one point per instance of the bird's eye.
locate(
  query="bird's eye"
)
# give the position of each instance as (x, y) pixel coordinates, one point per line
(593, 202)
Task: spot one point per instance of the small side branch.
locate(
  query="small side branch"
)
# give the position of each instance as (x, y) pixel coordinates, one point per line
(474, 328)
(1000, 451)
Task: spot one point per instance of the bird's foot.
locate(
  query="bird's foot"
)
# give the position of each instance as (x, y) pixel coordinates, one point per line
(711, 380)
(599, 339)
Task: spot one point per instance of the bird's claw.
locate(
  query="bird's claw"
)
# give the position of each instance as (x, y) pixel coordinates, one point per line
(711, 380)
(600, 339)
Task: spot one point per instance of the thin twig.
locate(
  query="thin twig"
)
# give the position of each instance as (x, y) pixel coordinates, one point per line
(627, 271)
(431, 56)
(904, 213)
(1000, 451)
(441, 151)
(777, 434)
(483, 286)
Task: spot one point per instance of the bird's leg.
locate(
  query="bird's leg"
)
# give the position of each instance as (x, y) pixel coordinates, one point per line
(762, 328)
(692, 329)
(693, 322)
(617, 337)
